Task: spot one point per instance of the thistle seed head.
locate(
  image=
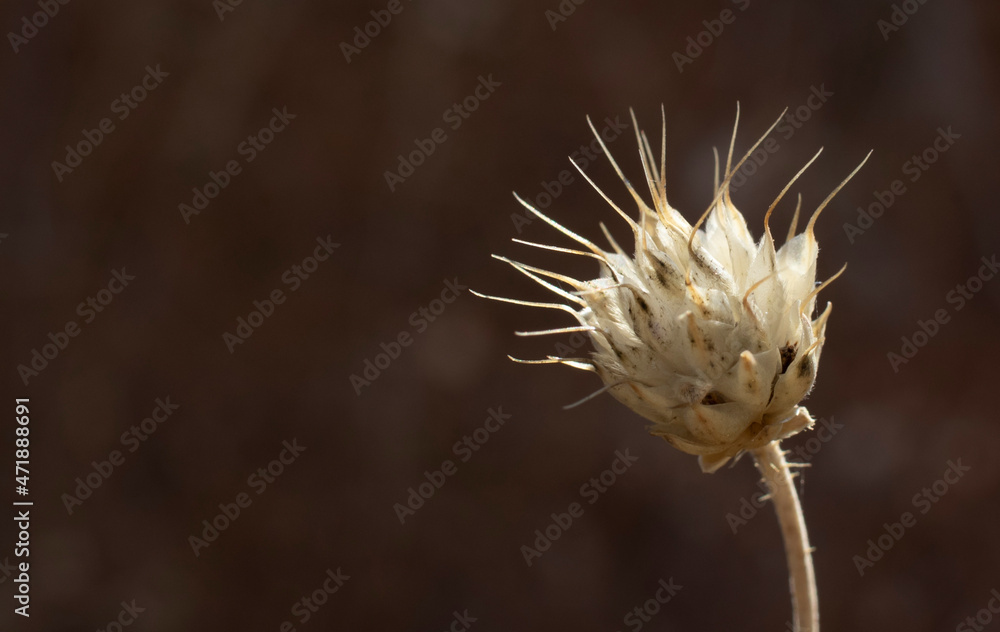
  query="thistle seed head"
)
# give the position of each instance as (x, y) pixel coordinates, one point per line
(703, 332)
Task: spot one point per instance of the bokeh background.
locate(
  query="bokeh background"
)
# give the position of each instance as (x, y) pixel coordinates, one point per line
(325, 175)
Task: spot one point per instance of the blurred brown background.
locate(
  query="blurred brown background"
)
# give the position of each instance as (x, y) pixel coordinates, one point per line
(324, 174)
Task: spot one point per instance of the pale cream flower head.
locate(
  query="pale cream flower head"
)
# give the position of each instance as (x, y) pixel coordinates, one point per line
(703, 332)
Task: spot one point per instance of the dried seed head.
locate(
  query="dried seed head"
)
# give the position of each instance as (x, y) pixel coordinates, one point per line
(703, 332)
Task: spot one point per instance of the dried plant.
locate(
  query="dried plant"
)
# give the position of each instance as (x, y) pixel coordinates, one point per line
(703, 332)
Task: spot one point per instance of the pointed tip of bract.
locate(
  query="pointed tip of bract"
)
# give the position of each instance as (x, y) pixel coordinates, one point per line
(829, 198)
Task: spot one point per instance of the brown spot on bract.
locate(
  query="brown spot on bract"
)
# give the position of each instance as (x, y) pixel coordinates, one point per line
(787, 355)
(712, 398)
(659, 277)
(664, 273)
(805, 367)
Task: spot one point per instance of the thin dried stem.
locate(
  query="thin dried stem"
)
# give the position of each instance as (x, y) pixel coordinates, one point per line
(771, 462)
